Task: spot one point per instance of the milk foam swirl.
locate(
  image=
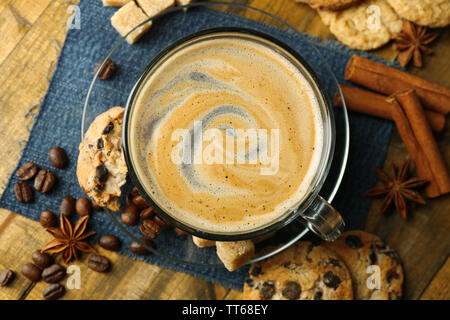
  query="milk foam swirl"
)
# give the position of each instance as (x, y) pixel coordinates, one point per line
(229, 86)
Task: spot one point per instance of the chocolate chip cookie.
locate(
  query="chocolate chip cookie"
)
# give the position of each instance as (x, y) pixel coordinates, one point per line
(301, 272)
(361, 251)
(101, 167)
(430, 13)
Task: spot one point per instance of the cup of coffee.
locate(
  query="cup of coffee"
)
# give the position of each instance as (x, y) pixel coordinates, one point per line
(229, 134)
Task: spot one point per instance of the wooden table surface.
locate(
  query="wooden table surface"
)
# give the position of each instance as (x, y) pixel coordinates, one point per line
(31, 33)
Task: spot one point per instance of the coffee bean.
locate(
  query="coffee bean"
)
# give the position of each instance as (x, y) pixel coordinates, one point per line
(99, 263)
(140, 202)
(150, 228)
(129, 200)
(95, 206)
(134, 192)
(109, 242)
(147, 213)
(67, 207)
(44, 181)
(130, 215)
(41, 259)
(107, 71)
(180, 232)
(161, 222)
(54, 273)
(54, 291)
(6, 277)
(58, 157)
(23, 191)
(32, 272)
(83, 206)
(48, 219)
(137, 248)
(27, 171)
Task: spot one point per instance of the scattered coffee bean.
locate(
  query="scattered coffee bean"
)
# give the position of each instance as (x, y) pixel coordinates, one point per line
(58, 157)
(130, 215)
(83, 206)
(48, 219)
(99, 263)
(150, 229)
(95, 206)
(140, 202)
(161, 222)
(44, 181)
(107, 71)
(137, 248)
(6, 277)
(32, 272)
(41, 259)
(180, 232)
(109, 242)
(54, 291)
(27, 171)
(147, 213)
(23, 191)
(67, 207)
(134, 192)
(129, 199)
(54, 273)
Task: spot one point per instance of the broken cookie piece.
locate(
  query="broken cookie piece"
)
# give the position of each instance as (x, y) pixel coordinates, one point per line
(101, 167)
(153, 7)
(202, 243)
(129, 17)
(235, 254)
(115, 3)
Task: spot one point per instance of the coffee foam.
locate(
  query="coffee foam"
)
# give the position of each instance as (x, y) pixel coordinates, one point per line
(227, 83)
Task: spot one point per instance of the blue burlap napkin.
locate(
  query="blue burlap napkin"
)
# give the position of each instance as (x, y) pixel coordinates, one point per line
(59, 121)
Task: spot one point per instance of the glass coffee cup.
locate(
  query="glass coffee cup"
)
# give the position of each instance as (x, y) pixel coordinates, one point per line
(318, 215)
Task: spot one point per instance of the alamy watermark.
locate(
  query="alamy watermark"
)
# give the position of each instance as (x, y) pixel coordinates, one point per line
(236, 146)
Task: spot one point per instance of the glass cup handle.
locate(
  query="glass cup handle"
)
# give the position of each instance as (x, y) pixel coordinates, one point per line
(322, 219)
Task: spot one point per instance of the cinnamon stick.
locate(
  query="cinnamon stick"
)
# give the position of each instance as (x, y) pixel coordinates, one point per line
(422, 131)
(387, 80)
(415, 151)
(374, 104)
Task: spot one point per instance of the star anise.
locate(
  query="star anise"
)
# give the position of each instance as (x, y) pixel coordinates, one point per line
(69, 240)
(397, 189)
(412, 42)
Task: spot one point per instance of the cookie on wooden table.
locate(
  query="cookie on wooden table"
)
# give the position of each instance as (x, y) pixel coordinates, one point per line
(101, 167)
(430, 13)
(359, 250)
(330, 4)
(366, 26)
(301, 272)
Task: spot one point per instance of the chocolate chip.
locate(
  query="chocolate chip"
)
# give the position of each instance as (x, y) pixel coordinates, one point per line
(393, 255)
(291, 290)
(249, 282)
(102, 173)
(334, 262)
(100, 144)
(256, 271)
(391, 275)
(331, 280)
(353, 242)
(108, 128)
(27, 171)
(373, 258)
(318, 295)
(267, 290)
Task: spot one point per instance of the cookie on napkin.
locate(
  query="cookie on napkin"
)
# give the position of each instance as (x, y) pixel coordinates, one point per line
(301, 272)
(101, 167)
(366, 26)
(359, 250)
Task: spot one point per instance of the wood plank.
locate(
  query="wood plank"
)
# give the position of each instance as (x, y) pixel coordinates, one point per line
(439, 288)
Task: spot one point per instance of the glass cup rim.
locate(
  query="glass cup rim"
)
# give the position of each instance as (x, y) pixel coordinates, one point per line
(325, 161)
